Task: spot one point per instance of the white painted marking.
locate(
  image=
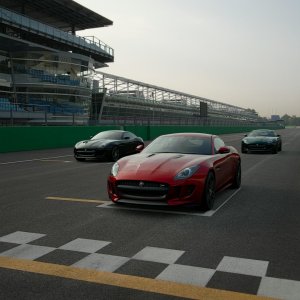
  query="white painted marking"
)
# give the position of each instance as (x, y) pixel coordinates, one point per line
(21, 237)
(279, 288)
(56, 160)
(84, 245)
(101, 262)
(243, 266)
(160, 255)
(208, 213)
(229, 198)
(116, 206)
(187, 274)
(27, 251)
(31, 160)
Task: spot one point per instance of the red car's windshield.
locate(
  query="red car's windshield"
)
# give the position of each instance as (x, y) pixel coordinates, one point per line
(180, 144)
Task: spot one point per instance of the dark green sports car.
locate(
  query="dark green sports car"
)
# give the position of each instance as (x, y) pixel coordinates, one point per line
(261, 140)
(109, 144)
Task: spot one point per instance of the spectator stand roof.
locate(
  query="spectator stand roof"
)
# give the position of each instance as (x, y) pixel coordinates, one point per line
(67, 15)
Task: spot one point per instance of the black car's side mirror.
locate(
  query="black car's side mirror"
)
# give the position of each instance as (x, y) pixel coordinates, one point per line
(278, 135)
(245, 134)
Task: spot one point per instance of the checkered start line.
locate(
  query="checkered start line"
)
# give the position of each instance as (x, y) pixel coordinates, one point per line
(86, 256)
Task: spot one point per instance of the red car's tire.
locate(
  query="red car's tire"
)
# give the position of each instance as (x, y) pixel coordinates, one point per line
(236, 183)
(209, 192)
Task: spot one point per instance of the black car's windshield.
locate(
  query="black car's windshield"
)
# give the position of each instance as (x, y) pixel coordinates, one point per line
(108, 135)
(262, 133)
(180, 144)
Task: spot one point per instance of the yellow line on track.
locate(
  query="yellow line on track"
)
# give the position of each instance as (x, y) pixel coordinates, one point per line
(76, 200)
(124, 281)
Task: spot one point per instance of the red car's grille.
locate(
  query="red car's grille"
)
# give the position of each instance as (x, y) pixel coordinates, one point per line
(142, 190)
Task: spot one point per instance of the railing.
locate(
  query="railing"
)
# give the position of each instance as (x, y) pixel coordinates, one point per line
(37, 114)
(89, 43)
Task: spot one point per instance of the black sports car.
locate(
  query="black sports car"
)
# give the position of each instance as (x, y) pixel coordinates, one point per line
(262, 140)
(110, 144)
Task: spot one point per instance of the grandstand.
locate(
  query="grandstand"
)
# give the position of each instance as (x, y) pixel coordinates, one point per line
(50, 75)
(129, 101)
(44, 66)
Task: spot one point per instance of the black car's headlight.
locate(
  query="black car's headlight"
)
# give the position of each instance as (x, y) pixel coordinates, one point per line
(244, 142)
(115, 169)
(186, 172)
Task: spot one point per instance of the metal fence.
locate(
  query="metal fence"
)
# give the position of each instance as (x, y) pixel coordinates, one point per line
(29, 114)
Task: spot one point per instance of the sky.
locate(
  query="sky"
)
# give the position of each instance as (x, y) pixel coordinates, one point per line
(239, 52)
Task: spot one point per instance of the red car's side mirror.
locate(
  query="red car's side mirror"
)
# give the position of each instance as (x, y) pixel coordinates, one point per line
(224, 150)
(139, 148)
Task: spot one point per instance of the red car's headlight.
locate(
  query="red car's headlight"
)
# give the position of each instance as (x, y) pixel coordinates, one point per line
(115, 169)
(186, 172)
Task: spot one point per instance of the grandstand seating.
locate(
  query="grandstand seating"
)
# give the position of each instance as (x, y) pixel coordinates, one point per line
(44, 76)
(39, 105)
(6, 105)
(63, 108)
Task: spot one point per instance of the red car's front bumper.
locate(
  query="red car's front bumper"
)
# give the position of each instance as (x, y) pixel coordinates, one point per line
(172, 192)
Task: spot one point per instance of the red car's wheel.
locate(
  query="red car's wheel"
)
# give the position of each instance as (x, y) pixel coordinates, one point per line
(236, 183)
(209, 193)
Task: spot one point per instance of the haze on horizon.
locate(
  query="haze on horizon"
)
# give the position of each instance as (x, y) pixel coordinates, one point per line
(240, 52)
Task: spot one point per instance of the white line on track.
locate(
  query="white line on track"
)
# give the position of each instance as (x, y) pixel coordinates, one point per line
(209, 213)
(35, 159)
(230, 197)
(115, 206)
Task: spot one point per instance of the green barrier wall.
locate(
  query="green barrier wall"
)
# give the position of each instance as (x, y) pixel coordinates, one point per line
(47, 137)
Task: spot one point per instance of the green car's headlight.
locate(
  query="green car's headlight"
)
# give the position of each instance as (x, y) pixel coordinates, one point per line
(115, 169)
(186, 172)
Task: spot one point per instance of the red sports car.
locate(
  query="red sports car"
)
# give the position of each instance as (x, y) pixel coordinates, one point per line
(176, 169)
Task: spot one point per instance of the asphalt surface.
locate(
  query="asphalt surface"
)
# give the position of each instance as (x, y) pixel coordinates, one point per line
(48, 192)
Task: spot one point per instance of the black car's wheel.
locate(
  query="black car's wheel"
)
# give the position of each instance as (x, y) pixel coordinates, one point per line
(78, 158)
(115, 154)
(280, 147)
(275, 149)
(209, 193)
(243, 149)
(236, 183)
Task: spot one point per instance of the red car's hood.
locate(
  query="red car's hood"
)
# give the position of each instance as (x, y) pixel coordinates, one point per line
(158, 165)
